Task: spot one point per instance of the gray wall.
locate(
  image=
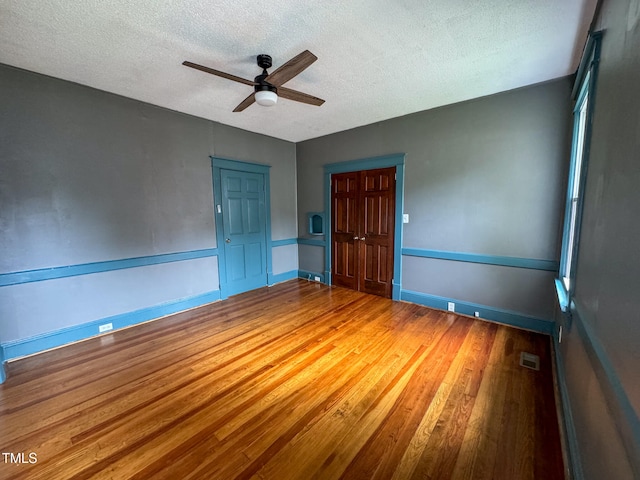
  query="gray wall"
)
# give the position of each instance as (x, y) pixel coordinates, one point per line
(485, 176)
(86, 176)
(602, 351)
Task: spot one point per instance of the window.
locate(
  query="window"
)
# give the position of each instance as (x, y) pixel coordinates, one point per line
(575, 186)
(582, 115)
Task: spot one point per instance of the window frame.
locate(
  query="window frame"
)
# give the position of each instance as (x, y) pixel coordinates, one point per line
(583, 96)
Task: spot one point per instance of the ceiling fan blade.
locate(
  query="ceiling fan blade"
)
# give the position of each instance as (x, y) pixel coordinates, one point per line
(290, 69)
(228, 76)
(245, 103)
(299, 96)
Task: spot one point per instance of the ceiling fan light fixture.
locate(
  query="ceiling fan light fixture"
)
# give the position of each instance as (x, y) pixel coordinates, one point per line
(266, 84)
(266, 98)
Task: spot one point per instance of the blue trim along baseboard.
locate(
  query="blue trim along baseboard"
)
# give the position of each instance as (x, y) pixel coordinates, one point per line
(282, 277)
(532, 263)
(304, 274)
(572, 448)
(46, 341)
(620, 407)
(282, 243)
(506, 317)
(16, 278)
(311, 241)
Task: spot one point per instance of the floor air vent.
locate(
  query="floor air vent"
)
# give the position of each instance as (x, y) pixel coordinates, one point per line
(529, 360)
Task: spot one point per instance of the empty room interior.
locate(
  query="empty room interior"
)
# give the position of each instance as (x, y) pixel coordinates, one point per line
(271, 240)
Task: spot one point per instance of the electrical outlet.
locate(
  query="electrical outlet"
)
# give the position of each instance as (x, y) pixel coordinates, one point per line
(105, 328)
(316, 278)
(477, 314)
(451, 306)
(529, 360)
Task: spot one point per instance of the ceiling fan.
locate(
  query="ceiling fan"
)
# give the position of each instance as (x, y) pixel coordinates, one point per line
(268, 86)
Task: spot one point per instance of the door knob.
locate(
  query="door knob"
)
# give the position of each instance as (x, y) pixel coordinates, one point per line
(228, 240)
(355, 238)
(362, 238)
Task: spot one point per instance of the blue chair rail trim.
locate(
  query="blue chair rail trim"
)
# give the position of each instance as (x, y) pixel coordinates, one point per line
(38, 275)
(498, 315)
(312, 241)
(532, 263)
(282, 243)
(46, 341)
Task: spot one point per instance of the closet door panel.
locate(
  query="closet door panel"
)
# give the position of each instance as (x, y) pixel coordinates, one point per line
(344, 229)
(377, 228)
(362, 235)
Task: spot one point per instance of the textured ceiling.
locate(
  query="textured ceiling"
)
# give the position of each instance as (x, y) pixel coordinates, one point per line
(377, 59)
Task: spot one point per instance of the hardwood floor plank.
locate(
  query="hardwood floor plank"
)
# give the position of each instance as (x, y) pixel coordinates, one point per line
(546, 433)
(445, 440)
(326, 332)
(299, 380)
(374, 414)
(478, 452)
(310, 423)
(178, 410)
(307, 452)
(454, 385)
(390, 440)
(199, 429)
(223, 349)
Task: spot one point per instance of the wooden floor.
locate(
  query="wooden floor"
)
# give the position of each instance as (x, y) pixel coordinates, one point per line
(296, 381)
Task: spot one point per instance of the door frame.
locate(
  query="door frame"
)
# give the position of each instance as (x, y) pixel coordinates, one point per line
(394, 160)
(217, 164)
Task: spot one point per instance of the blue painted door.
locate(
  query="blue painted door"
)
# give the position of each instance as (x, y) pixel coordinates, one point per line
(244, 225)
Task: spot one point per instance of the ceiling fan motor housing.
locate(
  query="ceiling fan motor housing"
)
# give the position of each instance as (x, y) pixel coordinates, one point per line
(266, 93)
(264, 61)
(262, 85)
